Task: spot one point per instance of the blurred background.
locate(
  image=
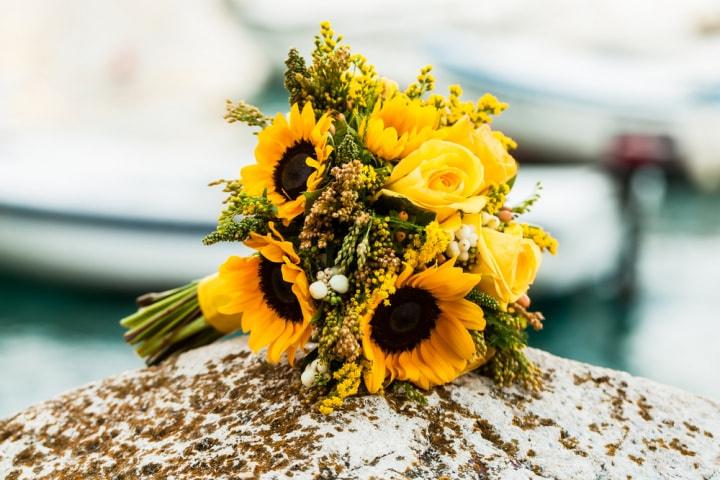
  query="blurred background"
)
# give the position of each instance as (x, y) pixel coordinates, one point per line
(111, 127)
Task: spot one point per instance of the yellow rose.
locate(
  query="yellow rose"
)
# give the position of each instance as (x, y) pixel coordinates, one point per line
(499, 165)
(440, 176)
(507, 262)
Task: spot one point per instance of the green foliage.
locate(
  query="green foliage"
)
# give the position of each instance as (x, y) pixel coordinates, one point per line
(245, 113)
(296, 75)
(505, 333)
(409, 392)
(348, 250)
(348, 150)
(479, 341)
(243, 214)
(486, 301)
(322, 83)
(526, 205)
(233, 228)
(511, 366)
(417, 217)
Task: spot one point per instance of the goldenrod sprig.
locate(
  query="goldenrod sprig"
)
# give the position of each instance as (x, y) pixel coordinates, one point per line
(348, 383)
(496, 196)
(424, 83)
(542, 239)
(243, 214)
(245, 113)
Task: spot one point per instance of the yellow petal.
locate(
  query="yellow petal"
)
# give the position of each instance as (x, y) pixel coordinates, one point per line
(452, 223)
(375, 376)
(456, 336)
(450, 355)
(393, 367)
(280, 344)
(466, 312)
(296, 124)
(213, 293)
(445, 282)
(254, 178)
(409, 371)
(436, 362)
(261, 337)
(427, 377)
(308, 120)
(291, 356)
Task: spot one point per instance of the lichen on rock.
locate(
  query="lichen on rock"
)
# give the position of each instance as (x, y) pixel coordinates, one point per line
(221, 413)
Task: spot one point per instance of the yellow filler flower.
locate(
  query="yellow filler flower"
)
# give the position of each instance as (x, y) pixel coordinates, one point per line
(270, 291)
(421, 333)
(290, 157)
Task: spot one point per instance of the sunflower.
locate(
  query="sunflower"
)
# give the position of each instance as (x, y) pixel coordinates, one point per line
(290, 157)
(270, 289)
(421, 333)
(398, 126)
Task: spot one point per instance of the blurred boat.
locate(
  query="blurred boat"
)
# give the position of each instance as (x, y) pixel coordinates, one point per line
(579, 206)
(577, 84)
(111, 126)
(131, 221)
(575, 81)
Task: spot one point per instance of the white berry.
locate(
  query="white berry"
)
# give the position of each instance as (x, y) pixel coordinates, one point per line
(308, 376)
(463, 232)
(464, 256)
(453, 249)
(318, 290)
(473, 240)
(464, 245)
(339, 283)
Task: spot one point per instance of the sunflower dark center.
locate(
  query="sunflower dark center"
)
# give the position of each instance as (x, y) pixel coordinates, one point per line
(291, 172)
(278, 293)
(409, 319)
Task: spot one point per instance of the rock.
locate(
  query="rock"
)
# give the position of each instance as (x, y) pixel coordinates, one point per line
(221, 413)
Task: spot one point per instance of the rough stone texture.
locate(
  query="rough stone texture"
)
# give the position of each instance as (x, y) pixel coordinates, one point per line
(220, 413)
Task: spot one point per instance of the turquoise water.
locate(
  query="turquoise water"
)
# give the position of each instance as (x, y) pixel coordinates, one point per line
(56, 337)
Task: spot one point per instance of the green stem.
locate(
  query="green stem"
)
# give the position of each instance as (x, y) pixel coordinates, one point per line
(168, 322)
(144, 313)
(162, 322)
(197, 334)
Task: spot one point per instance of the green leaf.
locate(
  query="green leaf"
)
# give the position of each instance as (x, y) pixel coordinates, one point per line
(511, 182)
(387, 205)
(310, 198)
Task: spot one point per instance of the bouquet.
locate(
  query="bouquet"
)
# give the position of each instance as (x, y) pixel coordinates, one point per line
(385, 253)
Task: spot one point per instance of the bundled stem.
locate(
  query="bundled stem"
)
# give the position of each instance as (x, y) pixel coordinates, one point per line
(167, 323)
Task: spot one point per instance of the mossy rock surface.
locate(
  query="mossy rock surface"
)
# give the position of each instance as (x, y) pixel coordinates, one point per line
(221, 413)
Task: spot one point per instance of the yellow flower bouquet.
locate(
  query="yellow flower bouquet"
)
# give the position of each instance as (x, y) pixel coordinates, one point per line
(384, 251)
